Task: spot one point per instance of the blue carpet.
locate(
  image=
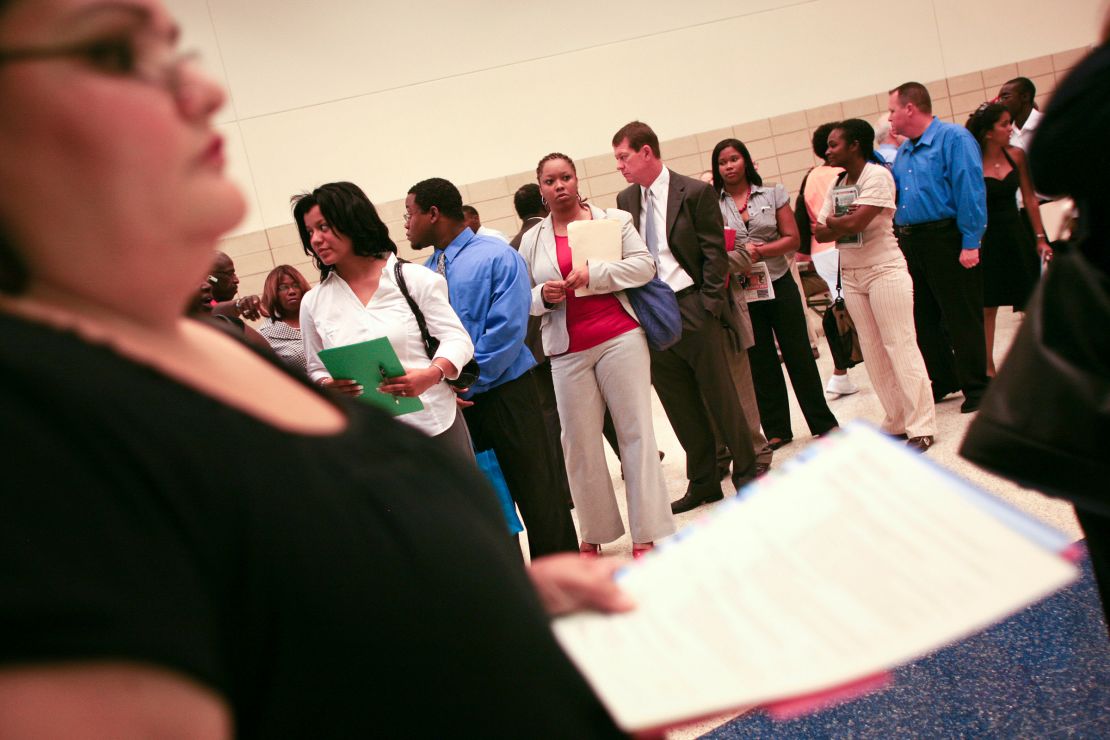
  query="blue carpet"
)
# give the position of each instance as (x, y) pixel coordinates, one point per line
(1045, 672)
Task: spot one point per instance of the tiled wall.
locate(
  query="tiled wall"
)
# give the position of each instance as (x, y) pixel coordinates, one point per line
(780, 146)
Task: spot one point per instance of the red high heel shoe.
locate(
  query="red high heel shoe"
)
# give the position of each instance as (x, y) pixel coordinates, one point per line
(587, 550)
(639, 549)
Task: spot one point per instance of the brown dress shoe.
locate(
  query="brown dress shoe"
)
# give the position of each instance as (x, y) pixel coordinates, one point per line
(919, 444)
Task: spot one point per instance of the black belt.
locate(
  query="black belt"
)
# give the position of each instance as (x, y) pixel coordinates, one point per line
(686, 291)
(944, 223)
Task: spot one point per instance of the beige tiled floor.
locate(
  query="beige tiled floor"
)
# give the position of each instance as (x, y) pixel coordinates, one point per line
(863, 405)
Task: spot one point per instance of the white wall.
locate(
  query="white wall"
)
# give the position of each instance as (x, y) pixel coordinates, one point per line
(386, 94)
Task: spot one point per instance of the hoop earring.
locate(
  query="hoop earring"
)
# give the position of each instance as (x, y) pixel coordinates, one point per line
(544, 201)
(581, 200)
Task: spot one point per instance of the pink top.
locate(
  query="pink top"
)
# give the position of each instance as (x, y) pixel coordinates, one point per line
(591, 319)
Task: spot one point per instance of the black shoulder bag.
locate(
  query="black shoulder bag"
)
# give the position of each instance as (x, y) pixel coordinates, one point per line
(839, 328)
(469, 374)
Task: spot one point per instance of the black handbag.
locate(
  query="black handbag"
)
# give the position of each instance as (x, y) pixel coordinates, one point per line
(1044, 421)
(470, 371)
(840, 330)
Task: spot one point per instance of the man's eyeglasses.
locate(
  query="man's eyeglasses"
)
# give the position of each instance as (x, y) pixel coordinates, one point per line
(146, 57)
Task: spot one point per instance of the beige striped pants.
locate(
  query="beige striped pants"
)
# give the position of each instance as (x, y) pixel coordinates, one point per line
(880, 300)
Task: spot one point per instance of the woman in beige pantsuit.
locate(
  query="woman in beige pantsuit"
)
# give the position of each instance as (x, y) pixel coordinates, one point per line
(599, 358)
(878, 289)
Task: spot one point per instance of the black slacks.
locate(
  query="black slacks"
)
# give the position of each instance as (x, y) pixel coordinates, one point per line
(783, 318)
(694, 368)
(947, 312)
(509, 419)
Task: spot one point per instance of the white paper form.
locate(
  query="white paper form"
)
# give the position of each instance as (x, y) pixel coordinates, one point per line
(593, 241)
(855, 561)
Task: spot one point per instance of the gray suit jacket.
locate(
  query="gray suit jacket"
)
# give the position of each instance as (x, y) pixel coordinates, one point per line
(696, 237)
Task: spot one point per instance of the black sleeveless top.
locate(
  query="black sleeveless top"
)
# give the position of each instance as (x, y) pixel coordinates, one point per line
(333, 586)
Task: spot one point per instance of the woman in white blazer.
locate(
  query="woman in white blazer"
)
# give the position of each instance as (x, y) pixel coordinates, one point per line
(599, 359)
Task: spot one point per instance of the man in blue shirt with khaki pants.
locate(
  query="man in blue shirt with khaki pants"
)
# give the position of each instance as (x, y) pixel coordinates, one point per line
(941, 217)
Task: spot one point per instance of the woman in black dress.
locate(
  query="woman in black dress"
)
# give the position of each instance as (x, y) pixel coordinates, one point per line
(197, 542)
(1009, 254)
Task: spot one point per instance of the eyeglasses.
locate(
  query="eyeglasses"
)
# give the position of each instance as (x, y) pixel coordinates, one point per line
(146, 57)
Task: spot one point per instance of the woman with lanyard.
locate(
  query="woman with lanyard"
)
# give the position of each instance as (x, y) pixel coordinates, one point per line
(877, 286)
(765, 227)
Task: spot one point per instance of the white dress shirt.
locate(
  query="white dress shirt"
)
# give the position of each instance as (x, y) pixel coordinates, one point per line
(333, 316)
(670, 271)
(1023, 137)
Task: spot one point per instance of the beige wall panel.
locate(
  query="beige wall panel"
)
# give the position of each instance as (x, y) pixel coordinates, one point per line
(866, 108)
(1068, 59)
(708, 139)
(280, 236)
(692, 165)
(760, 148)
(758, 129)
(995, 77)
(1035, 67)
(613, 182)
(797, 141)
(497, 187)
(237, 246)
(679, 147)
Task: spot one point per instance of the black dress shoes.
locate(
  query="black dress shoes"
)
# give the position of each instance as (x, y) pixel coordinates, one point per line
(695, 498)
(776, 442)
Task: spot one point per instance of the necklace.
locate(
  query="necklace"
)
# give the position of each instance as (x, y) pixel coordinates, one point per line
(747, 196)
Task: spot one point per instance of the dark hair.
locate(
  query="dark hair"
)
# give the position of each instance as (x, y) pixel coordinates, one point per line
(527, 201)
(916, 93)
(821, 138)
(983, 119)
(270, 300)
(555, 155)
(749, 166)
(858, 131)
(639, 135)
(441, 194)
(348, 212)
(1024, 86)
(469, 211)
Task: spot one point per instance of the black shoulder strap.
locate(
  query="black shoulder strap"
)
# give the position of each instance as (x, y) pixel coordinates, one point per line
(1010, 160)
(416, 312)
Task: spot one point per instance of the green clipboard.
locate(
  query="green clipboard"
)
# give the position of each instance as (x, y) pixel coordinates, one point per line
(369, 363)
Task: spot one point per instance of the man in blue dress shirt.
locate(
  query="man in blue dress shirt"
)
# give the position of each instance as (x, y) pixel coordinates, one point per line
(940, 220)
(489, 288)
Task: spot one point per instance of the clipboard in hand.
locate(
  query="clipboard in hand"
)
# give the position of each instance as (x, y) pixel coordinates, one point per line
(369, 363)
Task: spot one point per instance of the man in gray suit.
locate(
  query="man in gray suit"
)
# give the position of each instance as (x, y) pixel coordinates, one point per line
(681, 223)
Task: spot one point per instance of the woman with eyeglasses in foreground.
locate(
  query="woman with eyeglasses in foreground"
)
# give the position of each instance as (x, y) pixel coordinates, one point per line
(162, 577)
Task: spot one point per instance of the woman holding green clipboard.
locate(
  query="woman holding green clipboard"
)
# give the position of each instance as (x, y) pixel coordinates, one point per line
(358, 303)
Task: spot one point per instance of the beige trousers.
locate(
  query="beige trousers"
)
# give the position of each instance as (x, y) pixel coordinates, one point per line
(880, 301)
(741, 368)
(614, 374)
